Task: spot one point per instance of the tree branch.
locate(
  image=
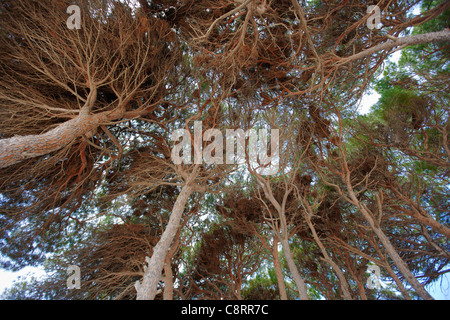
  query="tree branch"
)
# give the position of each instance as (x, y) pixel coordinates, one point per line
(439, 36)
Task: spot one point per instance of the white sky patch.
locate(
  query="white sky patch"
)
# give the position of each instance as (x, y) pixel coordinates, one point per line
(370, 97)
(367, 101)
(8, 277)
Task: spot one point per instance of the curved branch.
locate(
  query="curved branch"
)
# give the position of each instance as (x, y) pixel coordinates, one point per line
(439, 36)
(18, 148)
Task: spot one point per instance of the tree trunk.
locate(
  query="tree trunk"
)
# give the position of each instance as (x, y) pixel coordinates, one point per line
(147, 289)
(301, 286)
(402, 266)
(398, 261)
(16, 149)
(342, 280)
(419, 213)
(400, 285)
(355, 274)
(168, 281)
(426, 219)
(278, 271)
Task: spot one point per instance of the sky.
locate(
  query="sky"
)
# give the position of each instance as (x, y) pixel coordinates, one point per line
(7, 277)
(371, 97)
(441, 289)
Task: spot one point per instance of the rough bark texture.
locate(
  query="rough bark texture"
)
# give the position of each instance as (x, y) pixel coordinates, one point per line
(168, 281)
(439, 36)
(15, 149)
(147, 289)
(301, 286)
(278, 272)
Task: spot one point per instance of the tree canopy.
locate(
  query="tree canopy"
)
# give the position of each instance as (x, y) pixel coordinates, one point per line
(89, 118)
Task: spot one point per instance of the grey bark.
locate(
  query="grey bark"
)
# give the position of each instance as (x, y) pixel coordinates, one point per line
(400, 285)
(301, 286)
(146, 290)
(18, 148)
(439, 36)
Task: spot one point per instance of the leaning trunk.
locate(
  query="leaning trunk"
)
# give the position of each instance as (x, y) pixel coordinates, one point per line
(16, 149)
(398, 261)
(401, 265)
(146, 290)
(301, 286)
(343, 282)
(278, 271)
(168, 281)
